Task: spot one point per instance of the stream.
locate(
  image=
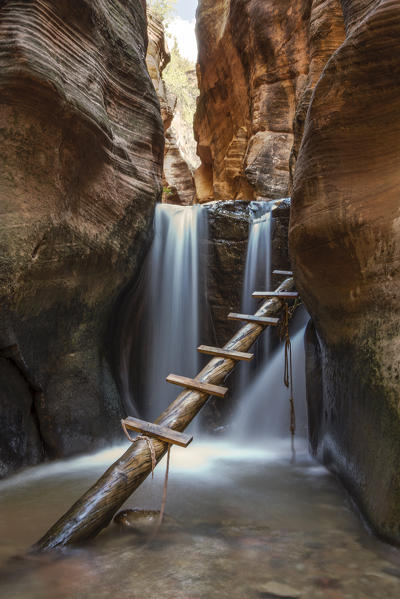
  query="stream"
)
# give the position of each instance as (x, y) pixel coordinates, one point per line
(241, 522)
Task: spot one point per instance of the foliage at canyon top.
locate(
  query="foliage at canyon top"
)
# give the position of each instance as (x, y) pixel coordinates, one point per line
(163, 9)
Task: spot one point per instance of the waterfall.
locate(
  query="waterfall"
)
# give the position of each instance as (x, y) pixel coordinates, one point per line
(167, 305)
(262, 409)
(257, 277)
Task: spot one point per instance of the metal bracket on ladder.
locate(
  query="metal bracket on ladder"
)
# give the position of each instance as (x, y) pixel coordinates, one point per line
(195, 385)
(163, 433)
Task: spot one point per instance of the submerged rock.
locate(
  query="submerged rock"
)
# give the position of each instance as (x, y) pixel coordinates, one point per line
(142, 522)
(277, 589)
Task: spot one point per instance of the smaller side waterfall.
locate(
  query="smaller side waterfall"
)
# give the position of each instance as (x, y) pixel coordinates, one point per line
(165, 311)
(257, 277)
(263, 411)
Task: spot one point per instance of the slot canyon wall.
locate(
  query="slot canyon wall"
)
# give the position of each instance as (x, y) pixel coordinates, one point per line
(345, 247)
(258, 62)
(178, 182)
(301, 97)
(81, 142)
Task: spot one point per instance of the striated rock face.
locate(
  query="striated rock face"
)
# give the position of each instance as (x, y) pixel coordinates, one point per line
(345, 246)
(248, 86)
(258, 64)
(177, 177)
(157, 58)
(81, 143)
(178, 183)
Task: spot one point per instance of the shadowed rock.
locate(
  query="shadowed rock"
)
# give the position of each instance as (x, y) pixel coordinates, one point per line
(81, 145)
(345, 246)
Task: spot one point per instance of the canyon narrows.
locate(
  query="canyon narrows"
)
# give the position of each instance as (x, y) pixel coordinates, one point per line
(122, 252)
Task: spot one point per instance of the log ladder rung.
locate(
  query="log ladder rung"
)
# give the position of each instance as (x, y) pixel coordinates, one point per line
(287, 273)
(195, 385)
(160, 432)
(278, 294)
(263, 320)
(225, 353)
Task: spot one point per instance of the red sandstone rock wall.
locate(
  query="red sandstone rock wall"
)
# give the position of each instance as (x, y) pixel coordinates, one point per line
(81, 144)
(258, 63)
(178, 183)
(345, 246)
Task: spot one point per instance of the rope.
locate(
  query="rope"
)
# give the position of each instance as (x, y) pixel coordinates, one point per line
(152, 452)
(150, 446)
(288, 368)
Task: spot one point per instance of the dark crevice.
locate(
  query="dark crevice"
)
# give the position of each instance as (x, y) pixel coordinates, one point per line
(13, 355)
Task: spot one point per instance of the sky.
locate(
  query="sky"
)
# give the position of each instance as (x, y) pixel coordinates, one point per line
(182, 27)
(186, 9)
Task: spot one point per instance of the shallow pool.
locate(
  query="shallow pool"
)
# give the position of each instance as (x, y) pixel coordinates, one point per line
(242, 523)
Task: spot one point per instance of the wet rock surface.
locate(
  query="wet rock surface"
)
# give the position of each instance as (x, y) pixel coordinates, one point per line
(81, 146)
(229, 224)
(344, 241)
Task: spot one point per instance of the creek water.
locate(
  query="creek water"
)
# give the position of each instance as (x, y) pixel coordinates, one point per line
(241, 522)
(244, 520)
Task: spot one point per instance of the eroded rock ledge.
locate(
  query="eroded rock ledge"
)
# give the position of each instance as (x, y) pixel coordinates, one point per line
(81, 142)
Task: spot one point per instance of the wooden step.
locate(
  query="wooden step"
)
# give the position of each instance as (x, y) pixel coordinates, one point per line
(195, 385)
(225, 353)
(287, 273)
(278, 294)
(263, 320)
(160, 432)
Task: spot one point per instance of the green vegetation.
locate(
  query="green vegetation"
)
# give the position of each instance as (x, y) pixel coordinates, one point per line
(163, 9)
(181, 80)
(167, 191)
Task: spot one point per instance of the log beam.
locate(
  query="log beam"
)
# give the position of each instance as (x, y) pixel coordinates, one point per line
(285, 273)
(96, 508)
(282, 295)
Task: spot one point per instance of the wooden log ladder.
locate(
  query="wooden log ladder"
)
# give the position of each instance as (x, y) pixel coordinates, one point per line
(96, 508)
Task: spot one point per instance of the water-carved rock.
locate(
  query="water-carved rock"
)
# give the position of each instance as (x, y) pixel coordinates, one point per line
(345, 246)
(178, 183)
(81, 143)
